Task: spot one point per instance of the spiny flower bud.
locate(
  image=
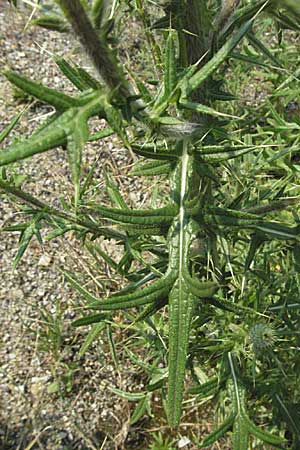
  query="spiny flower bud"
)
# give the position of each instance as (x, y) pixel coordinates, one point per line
(261, 337)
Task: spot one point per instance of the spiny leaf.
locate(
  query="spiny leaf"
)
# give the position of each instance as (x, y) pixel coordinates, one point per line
(170, 72)
(140, 409)
(256, 242)
(296, 256)
(258, 45)
(151, 168)
(201, 289)
(181, 300)
(5, 132)
(205, 150)
(263, 435)
(130, 396)
(51, 22)
(209, 68)
(52, 137)
(208, 388)
(149, 294)
(71, 73)
(101, 134)
(115, 120)
(91, 337)
(279, 231)
(243, 426)
(98, 10)
(224, 156)
(240, 435)
(55, 98)
(32, 229)
(228, 305)
(89, 80)
(154, 153)
(152, 308)
(69, 127)
(243, 215)
(75, 144)
(114, 193)
(138, 216)
(181, 303)
(204, 109)
(88, 320)
(219, 432)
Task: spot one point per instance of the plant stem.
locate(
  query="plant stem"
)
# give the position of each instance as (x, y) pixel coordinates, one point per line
(98, 51)
(88, 224)
(276, 206)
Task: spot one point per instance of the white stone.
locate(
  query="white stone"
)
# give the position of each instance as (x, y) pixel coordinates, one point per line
(44, 260)
(183, 442)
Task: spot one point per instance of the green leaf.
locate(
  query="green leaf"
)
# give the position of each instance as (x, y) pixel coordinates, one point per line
(55, 98)
(115, 120)
(263, 435)
(71, 72)
(89, 80)
(147, 295)
(170, 65)
(140, 409)
(140, 217)
(279, 231)
(181, 300)
(151, 168)
(206, 389)
(258, 45)
(209, 68)
(201, 289)
(88, 320)
(5, 132)
(101, 134)
(255, 244)
(114, 193)
(130, 396)
(219, 432)
(240, 435)
(296, 256)
(56, 132)
(91, 337)
(228, 305)
(97, 12)
(75, 144)
(52, 22)
(112, 346)
(52, 137)
(181, 305)
(224, 156)
(204, 109)
(152, 309)
(154, 153)
(243, 426)
(31, 230)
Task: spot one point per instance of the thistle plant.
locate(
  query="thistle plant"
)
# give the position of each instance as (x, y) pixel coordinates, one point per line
(185, 131)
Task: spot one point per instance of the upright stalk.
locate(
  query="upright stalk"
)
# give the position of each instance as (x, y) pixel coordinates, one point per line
(100, 54)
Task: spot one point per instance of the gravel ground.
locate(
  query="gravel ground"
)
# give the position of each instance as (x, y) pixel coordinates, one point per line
(30, 416)
(49, 398)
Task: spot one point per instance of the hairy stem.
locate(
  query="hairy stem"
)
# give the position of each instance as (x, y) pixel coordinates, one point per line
(98, 51)
(43, 207)
(275, 206)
